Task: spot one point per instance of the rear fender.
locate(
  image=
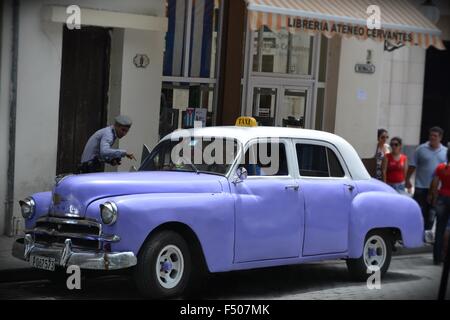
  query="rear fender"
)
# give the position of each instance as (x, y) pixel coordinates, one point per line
(381, 210)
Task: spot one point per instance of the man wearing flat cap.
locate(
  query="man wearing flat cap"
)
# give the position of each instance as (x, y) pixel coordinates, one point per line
(98, 149)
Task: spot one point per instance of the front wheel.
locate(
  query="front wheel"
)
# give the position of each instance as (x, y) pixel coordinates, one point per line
(376, 255)
(164, 268)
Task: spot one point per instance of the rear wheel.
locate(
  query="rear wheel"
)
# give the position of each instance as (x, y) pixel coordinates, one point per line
(164, 268)
(377, 254)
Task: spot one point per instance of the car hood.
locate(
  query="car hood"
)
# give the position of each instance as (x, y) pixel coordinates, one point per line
(73, 194)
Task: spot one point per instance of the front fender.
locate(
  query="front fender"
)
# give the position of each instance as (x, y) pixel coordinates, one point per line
(379, 210)
(209, 216)
(43, 202)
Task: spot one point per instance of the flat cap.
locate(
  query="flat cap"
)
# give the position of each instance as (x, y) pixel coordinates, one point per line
(123, 121)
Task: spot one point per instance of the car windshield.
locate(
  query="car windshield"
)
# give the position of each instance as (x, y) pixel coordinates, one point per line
(193, 154)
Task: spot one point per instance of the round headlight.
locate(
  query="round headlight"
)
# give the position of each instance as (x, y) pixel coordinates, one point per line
(27, 207)
(108, 212)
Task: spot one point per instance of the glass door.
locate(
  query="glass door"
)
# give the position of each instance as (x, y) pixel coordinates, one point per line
(282, 106)
(265, 105)
(292, 111)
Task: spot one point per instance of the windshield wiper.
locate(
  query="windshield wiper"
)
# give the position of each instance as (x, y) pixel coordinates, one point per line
(192, 165)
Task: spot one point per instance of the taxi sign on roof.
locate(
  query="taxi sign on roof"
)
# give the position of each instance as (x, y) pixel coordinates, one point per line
(246, 122)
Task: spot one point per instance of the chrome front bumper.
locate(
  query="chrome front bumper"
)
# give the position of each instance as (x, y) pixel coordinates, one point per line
(66, 256)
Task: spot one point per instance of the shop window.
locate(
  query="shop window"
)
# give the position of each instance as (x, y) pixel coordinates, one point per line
(320, 108)
(177, 98)
(267, 63)
(176, 13)
(204, 37)
(264, 106)
(193, 43)
(323, 59)
(291, 53)
(189, 71)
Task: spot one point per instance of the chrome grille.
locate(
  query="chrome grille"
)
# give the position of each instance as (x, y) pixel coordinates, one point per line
(70, 225)
(54, 231)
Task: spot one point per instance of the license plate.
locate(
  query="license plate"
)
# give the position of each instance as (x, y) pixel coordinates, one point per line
(43, 263)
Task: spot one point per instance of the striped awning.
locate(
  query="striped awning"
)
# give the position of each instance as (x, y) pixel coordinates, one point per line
(401, 22)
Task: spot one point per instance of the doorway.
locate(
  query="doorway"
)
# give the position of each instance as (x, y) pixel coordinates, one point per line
(282, 106)
(436, 100)
(84, 92)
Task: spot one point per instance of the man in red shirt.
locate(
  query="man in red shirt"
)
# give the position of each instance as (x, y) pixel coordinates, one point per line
(441, 196)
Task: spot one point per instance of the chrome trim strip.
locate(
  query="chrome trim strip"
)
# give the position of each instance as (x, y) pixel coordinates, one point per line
(29, 246)
(84, 222)
(66, 253)
(64, 257)
(82, 236)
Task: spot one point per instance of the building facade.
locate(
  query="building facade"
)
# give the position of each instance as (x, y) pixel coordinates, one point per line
(157, 61)
(62, 85)
(308, 78)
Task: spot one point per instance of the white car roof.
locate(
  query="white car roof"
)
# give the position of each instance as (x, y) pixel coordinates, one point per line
(245, 134)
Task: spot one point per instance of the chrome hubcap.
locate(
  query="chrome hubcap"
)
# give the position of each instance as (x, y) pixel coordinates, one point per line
(375, 252)
(169, 267)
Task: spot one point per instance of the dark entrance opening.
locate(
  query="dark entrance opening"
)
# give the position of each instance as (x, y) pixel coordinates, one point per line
(84, 92)
(436, 101)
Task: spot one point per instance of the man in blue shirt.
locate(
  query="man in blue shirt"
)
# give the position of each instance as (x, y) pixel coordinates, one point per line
(98, 149)
(425, 161)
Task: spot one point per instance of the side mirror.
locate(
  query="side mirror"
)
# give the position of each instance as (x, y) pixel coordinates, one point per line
(241, 175)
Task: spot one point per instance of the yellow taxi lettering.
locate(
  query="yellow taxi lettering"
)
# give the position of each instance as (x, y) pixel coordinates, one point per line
(246, 122)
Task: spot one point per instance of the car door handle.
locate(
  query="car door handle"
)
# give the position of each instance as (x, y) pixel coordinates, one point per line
(350, 187)
(294, 187)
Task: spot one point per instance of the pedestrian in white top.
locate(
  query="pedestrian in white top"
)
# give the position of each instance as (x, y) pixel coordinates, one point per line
(383, 148)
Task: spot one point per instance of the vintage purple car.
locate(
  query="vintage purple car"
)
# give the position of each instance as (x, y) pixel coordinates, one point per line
(173, 221)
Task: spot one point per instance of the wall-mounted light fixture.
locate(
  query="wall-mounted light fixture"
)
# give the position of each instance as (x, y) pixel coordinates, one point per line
(389, 46)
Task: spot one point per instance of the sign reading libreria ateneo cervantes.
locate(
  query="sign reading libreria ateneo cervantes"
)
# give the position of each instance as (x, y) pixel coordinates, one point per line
(353, 30)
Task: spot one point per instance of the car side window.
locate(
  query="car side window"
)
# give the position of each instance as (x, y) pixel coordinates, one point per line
(318, 161)
(312, 160)
(336, 170)
(266, 159)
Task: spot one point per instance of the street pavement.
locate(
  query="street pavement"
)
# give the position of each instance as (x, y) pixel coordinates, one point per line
(411, 277)
(7, 261)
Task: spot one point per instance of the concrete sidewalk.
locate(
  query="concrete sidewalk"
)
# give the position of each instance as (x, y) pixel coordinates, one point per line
(13, 269)
(7, 261)
(427, 248)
